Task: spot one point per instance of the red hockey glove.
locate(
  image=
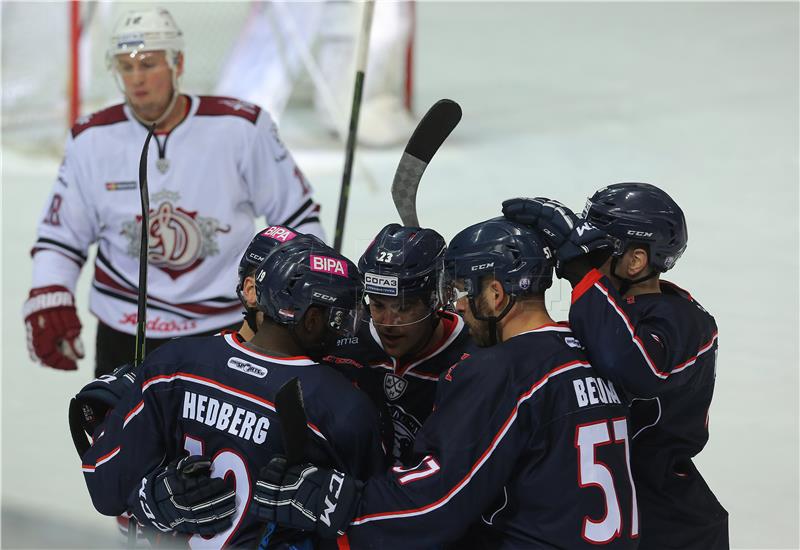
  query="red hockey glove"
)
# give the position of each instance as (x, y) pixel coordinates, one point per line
(53, 327)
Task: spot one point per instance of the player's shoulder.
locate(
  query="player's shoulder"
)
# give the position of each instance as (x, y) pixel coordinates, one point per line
(105, 117)
(675, 306)
(220, 106)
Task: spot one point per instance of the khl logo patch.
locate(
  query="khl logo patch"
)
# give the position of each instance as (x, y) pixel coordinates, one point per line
(394, 386)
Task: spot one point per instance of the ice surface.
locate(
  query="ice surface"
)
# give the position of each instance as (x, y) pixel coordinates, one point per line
(558, 99)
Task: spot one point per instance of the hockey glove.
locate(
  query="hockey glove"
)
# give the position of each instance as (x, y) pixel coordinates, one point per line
(91, 405)
(183, 497)
(53, 328)
(306, 497)
(578, 245)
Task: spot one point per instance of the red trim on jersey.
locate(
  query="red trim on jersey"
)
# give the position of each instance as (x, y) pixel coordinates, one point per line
(482, 458)
(111, 115)
(220, 386)
(639, 344)
(239, 344)
(450, 322)
(105, 279)
(136, 410)
(221, 106)
(342, 542)
(585, 284)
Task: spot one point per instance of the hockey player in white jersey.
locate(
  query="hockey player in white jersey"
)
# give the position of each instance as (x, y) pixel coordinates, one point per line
(215, 165)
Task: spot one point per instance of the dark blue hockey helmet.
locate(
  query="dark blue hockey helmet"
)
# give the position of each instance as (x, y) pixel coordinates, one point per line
(640, 213)
(403, 261)
(512, 253)
(304, 272)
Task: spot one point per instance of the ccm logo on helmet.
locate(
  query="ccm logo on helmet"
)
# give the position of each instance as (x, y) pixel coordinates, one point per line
(323, 297)
(326, 264)
(481, 267)
(634, 233)
(279, 233)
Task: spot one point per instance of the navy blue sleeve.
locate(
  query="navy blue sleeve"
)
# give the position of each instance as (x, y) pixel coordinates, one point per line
(469, 446)
(129, 445)
(644, 353)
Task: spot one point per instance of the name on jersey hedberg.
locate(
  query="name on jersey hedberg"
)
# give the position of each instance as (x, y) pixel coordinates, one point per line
(593, 390)
(225, 417)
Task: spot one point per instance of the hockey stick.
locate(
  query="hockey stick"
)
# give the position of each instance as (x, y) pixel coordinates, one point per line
(361, 63)
(430, 133)
(141, 316)
(292, 414)
(138, 356)
(294, 433)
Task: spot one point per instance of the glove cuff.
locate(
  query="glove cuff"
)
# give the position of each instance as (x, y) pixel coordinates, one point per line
(49, 297)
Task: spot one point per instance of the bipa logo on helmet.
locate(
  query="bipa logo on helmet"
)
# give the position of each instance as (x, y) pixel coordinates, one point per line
(279, 233)
(326, 264)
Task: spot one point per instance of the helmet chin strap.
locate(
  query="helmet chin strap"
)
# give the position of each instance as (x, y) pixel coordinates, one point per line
(493, 320)
(626, 284)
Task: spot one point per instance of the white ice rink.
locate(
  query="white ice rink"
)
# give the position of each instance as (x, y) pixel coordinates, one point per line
(558, 99)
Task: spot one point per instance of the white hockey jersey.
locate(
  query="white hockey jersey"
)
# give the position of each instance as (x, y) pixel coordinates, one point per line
(209, 179)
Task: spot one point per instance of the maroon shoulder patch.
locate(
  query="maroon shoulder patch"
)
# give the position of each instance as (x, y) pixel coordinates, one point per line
(111, 115)
(220, 106)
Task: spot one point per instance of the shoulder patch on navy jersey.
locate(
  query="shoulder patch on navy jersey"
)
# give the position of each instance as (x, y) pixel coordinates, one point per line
(222, 106)
(111, 115)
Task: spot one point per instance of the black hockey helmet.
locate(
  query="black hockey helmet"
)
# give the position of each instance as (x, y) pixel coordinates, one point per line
(403, 261)
(640, 213)
(304, 272)
(512, 253)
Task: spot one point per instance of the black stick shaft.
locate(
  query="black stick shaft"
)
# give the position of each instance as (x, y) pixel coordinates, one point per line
(361, 62)
(141, 318)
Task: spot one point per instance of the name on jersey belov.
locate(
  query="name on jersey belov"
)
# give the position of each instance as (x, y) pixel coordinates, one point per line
(225, 417)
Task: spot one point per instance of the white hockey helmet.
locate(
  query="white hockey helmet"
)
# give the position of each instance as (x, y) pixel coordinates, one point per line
(146, 30)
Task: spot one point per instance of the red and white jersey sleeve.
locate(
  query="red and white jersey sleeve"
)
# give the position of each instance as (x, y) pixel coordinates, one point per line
(209, 180)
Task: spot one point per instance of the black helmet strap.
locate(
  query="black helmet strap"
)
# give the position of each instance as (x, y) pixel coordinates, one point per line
(493, 320)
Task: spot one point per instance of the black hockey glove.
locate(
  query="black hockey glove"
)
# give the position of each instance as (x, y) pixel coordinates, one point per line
(89, 407)
(578, 245)
(306, 497)
(183, 497)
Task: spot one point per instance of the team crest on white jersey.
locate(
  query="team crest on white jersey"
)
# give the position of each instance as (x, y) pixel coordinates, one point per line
(394, 386)
(178, 239)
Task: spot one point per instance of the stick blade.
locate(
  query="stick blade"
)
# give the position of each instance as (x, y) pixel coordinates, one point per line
(292, 414)
(437, 124)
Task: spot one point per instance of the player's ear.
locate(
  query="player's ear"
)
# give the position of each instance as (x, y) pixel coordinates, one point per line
(639, 260)
(496, 294)
(249, 291)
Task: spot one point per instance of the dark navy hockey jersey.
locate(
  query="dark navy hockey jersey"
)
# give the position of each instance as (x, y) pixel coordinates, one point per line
(661, 350)
(527, 447)
(213, 396)
(404, 391)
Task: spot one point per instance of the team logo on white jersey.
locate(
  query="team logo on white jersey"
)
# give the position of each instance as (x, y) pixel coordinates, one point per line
(394, 386)
(179, 240)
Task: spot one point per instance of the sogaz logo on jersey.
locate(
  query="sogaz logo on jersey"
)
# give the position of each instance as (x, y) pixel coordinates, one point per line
(394, 386)
(385, 285)
(246, 367)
